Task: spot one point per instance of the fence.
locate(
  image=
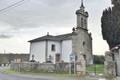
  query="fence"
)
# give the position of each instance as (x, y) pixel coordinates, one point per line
(40, 67)
(49, 67)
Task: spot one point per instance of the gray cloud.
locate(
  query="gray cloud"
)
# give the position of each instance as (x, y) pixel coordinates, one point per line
(5, 36)
(45, 13)
(38, 13)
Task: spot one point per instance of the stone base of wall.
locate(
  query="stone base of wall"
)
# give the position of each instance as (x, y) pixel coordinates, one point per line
(43, 67)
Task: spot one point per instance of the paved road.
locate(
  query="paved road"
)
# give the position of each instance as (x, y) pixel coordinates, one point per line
(13, 77)
(18, 76)
(31, 77)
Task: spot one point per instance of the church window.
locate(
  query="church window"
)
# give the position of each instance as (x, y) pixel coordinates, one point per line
(76, 58)
(52, 47)
(82, 22)
(85, 22)
(83, 43)
(84, 57)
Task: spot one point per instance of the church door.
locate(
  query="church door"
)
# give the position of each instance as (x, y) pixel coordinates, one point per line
(57, 58)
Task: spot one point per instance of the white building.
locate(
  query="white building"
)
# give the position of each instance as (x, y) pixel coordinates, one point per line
(58, 48)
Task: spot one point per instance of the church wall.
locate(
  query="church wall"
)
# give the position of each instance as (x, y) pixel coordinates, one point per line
(88, 48)
(38, 50)
(57, 49)
(66, 50)
(84, 46)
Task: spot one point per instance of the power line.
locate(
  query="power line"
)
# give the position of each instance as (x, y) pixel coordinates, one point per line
(11, 5)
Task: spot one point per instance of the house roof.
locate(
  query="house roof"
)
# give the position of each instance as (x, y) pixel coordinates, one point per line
(53, 38)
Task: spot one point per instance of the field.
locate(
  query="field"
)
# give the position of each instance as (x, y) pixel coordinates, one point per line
(98, 69)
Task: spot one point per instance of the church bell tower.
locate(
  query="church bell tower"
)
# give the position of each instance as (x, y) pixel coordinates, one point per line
(116, 2)
(82, 40)
(82, 17)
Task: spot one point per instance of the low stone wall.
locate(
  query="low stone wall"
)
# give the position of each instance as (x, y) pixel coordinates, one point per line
(47, 67)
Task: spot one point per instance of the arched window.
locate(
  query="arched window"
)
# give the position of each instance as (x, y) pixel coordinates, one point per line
(84, 43)
(82, 24)
(85, 22)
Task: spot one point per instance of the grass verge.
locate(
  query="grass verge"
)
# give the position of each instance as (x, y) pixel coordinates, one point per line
(8, 71)
(98, 69)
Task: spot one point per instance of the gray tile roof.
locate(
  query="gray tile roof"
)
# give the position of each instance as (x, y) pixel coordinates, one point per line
(53, 38)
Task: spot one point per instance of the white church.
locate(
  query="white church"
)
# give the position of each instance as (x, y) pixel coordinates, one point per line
(59, 48)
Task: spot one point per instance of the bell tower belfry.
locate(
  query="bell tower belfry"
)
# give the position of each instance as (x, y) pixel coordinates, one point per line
(82, 17)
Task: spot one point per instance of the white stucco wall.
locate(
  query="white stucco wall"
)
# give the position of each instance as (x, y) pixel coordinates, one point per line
(38, 50)
(57, 49)
(66, 50)
(63, 48)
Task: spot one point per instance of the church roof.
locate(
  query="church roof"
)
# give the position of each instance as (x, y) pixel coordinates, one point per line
(53, 38)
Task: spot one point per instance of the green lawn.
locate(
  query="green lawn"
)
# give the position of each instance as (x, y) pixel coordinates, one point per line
(8, 71)
(98, 68)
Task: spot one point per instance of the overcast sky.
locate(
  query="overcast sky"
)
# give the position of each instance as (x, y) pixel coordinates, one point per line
(34, 18)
